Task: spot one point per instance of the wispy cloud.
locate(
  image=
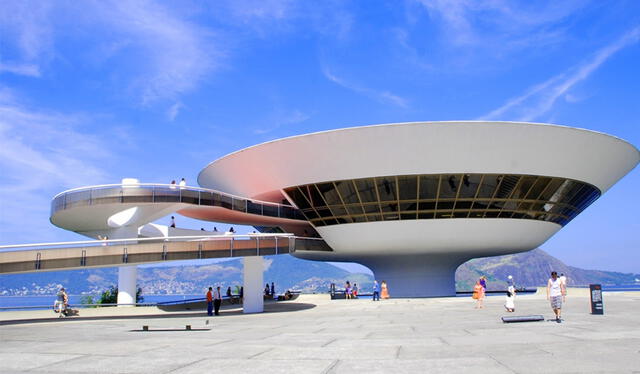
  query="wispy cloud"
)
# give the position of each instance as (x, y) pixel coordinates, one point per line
(381, 96)
(283, 119)
(178, 53)
(42, 153)
(501, 24)
(540, 98)
(174, 110)
(163, 52)
(30, 70)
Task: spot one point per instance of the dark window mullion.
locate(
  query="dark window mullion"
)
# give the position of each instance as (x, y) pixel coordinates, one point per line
(333, 215)
(307, 199)
(375, 185)
(435, 208)
(344, 206)
(355, 188)
(475, 196)
(458, 188)
(520, 201)
(418, 177)
(495, 192)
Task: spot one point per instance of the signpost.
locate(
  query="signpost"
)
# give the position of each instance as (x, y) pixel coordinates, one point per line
(597, 306)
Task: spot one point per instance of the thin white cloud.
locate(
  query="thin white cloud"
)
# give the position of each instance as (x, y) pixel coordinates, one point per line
(178, 53)
(29, 70)
(501, 24)
(159, 51)
(174, 110)
(539, 99)
(26, 26)
(41, 154)
(283, 119)
(382, 96)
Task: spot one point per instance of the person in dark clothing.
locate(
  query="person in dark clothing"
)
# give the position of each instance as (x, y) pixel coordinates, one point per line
(217, 300)
(229, 295)
(273, 290)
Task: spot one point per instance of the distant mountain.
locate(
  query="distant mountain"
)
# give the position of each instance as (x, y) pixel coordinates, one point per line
(531, 269)
(287, 272)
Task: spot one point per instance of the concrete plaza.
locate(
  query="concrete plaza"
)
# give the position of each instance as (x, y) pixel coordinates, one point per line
(316, 335)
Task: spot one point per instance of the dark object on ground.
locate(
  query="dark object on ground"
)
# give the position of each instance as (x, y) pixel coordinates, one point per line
(145, 328)
(531, 318)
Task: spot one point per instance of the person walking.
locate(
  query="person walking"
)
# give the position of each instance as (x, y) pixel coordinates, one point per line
(60, 305)
(556, 292)
(478, 294)
(510, 299)
(210, 302)
(217, 300)
(173, 222)
(384, 290)
(347, 290)
(273, 290)
(355, 291)
(376, 291)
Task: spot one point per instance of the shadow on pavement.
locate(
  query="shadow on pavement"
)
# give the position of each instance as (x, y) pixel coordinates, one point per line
(284, 307)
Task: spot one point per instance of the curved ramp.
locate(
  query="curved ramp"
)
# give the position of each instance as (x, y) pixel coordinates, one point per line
(106, 207)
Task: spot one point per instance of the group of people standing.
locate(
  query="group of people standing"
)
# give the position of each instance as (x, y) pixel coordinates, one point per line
(214, 299)
(269, 291)
(380, 290)
(556, 293)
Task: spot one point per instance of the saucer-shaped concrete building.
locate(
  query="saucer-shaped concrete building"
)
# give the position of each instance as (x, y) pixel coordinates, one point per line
(413, 201)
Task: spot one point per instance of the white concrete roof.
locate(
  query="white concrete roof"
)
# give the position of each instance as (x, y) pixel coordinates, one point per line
(422, 148)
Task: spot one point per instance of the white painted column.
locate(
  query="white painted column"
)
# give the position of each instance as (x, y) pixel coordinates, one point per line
(253, 282)
(127, 276)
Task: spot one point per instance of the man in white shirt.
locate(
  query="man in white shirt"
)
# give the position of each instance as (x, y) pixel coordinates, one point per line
(183, 182)
(556, 295)
(217, 300)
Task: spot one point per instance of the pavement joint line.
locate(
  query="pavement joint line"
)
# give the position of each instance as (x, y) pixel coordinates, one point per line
(331, 368)
(220, 342)
(502, 364)
(398, 349)
(329, 342)
(60, 362)
(260, 353)
(185, 365)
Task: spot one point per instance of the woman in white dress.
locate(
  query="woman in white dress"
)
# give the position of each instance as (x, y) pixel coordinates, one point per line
(509, 303)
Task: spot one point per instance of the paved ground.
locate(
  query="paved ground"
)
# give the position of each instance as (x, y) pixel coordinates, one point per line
(316, 335)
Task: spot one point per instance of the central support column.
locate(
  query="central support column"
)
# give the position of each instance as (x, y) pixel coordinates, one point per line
(127, 276)
(253, 301)
(416, 275)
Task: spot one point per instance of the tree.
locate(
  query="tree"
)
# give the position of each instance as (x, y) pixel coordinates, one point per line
(110, 296)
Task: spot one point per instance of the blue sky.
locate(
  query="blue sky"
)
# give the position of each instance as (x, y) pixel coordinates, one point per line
(156, 90)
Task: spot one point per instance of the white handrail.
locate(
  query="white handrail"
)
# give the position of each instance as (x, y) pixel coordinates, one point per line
(170, 186)
(163, 238)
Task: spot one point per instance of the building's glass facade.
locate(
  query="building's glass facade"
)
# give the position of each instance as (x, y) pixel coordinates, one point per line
(436, 196)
